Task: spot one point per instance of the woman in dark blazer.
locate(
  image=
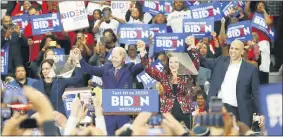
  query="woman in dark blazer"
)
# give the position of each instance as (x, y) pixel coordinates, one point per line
(54, 88)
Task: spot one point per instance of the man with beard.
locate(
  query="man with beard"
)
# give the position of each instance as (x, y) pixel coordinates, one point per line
(21, 78)
(5, 21)
(175, 18)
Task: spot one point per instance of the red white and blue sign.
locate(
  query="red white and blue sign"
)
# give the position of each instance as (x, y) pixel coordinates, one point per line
(240, 30)
(258, 22)
(198, 28)
(130, 100)
(4, 59)
(153, 7)
(170, 42)
(68, 103)
(21, 21)
(148, 81)
(207, 10)
(271, 108)
(132, 33)
(168, 8)
(156, 28)
(46, 23)
(227, 7)
(60, 54)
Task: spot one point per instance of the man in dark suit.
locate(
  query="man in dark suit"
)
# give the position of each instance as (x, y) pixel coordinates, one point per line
(236, 82)
(116, 75)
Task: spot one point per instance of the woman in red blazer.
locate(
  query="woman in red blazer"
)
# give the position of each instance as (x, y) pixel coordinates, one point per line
(178, 89)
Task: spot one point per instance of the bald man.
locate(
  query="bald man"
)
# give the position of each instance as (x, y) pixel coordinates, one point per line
(5, 21)
(116, 75)
(235, 81)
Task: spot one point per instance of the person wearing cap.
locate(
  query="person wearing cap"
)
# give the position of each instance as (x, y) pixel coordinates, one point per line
(235, 81)
(179, 89)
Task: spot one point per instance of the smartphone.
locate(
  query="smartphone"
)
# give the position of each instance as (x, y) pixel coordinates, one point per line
(86, 99)
(29, 123)
(53, 43)
(6, 113)
(155, 119)
(212, 120)
(215, 104)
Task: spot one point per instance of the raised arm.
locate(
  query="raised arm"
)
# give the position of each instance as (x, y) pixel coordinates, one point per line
(151, 71)
(204, 62)
(92, 70)
(247, 8)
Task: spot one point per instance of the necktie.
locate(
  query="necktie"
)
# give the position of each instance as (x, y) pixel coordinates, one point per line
(116, 74)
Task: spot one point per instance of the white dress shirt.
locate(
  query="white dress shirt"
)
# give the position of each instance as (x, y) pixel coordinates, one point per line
(228, 87)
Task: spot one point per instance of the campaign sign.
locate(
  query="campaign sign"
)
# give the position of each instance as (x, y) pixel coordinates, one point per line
(271, 33)
(259, 23)
(167, 7)
(191, 3)
(271, 108)
(59, 55)
(46, 22)
(97, 81)
(68, 103)
(156, 28)
(130, 100)
(148, 81)
(170, 42)
(21, 21)
(240, 30)
(132, 33)
(228, 7)
(207, 10)
(120, 8)
(153, 7)
(74, 15)
(241, 4)
(4, 59)
(199, 28)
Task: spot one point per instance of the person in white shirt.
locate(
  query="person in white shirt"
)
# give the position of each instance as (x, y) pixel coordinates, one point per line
(175, 18)
(235, 81)
(106, 22)
(132, 54)
(135, 14)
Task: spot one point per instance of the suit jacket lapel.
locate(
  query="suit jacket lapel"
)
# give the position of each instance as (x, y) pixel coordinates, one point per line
(225, 67)
(241, 72)
(111, 73)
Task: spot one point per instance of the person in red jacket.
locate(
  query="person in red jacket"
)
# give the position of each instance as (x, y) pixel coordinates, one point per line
(18, 8)
(33, 41)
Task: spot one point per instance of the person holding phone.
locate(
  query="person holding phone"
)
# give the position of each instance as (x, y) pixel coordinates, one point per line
(108, 21)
